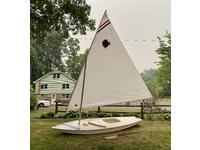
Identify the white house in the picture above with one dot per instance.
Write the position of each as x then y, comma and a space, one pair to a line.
54, 85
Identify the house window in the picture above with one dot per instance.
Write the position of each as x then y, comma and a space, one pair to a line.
56, 75
65, 86
65, 96
44, 86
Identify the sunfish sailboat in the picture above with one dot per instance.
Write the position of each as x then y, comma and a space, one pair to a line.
108, 76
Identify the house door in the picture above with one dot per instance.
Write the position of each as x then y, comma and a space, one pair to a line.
53, 98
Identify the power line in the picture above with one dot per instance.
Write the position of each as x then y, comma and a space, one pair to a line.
128, 40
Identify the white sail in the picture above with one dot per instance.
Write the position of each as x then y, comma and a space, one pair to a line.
111, 76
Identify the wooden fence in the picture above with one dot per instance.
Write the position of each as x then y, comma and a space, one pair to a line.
142, 107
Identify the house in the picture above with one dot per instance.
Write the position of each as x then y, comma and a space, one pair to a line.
55, 85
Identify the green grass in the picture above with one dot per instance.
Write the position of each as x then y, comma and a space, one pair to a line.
149, 135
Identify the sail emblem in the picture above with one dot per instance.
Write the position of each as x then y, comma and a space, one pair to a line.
103, 25
105, 43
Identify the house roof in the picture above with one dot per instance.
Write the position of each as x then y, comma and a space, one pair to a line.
55, 71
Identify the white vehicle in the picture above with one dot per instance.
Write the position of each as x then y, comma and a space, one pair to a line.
43, 103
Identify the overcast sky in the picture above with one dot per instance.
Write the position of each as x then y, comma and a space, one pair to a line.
133, 20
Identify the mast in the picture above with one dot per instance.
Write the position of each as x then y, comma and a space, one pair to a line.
82, 92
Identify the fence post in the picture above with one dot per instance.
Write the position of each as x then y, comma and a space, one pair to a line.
99, 109
142, 111
56, 108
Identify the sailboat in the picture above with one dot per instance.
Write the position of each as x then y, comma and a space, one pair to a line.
108, 76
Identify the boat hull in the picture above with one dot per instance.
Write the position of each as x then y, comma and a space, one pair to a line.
97, 125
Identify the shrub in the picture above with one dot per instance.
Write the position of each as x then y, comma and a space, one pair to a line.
33, 102
45, 116
101, 114
51, 114
48, 115
60, 115
71, 114
84, 114
167, 117
92, 114
108, 115
136, 114
115, 114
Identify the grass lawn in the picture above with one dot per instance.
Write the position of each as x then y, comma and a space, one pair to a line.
149, 135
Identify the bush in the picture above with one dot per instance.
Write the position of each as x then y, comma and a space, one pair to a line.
115, 114
33, 102
71, 114
45, 116
59, 115
135, 114
51, 114
108, 115
167, 117
83, 114
92, 114
48, 115
101, 114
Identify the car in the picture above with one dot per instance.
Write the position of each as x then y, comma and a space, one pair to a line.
43, 103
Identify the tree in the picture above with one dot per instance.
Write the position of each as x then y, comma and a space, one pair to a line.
149, 77
51, 23
46, 56
33, 99
74, 60
63, 16
71, 49
35, 65
164, 70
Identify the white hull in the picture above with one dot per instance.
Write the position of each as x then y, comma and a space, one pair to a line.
97, 125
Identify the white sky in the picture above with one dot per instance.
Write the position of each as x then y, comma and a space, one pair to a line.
133, 20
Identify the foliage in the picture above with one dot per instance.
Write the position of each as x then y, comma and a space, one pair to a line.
71, 114
63, 16
90, 114
164, 70
46, 55
47, 115
32, 90
159, 81
36, 68
51, 114
74, 60
52, 22
33, 101
167, 117
154, 112
150, 109
149, 77
73, 66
